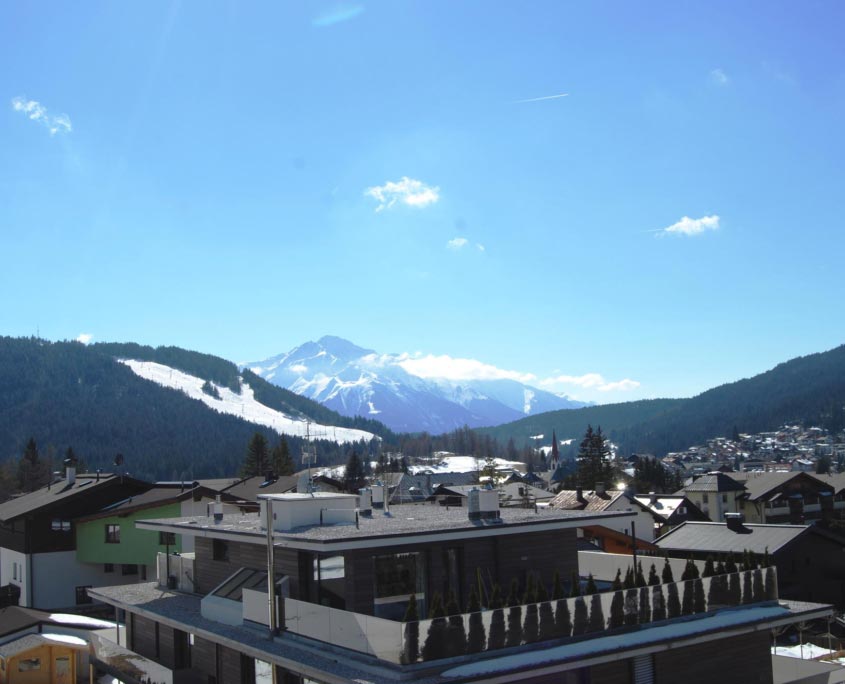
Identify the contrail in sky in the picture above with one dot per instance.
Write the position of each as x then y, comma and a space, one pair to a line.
538, 99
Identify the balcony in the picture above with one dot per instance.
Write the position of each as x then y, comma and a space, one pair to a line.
563, 620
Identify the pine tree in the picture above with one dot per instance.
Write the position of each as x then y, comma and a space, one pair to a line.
412, 632
667, 571
771, 584
435, 643
596, 623
580, 618
653, 578
280, 459
631, 607
629, 582
734, 589
617, 610
591, 585
557, 587
709, 567
673, 603
658, 602
594, 460
616, 585
32, 472
759, 591
477, 636
640, 577
354, 476
456, 636
687, 603
547, 617
747, 590
531, 627
255, 462
513, 635
698, 601
575, 589
563, 621
645, 607
496, 638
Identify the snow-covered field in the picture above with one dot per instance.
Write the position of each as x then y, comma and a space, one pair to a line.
449, 463
243, 404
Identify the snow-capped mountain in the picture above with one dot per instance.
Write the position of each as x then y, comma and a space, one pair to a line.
356, 381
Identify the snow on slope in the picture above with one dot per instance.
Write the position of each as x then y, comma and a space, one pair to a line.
451, 463
243, 405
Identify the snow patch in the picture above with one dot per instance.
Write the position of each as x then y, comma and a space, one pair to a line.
244, 404
69, 619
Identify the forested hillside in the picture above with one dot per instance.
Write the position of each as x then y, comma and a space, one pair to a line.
809, 390
64, 394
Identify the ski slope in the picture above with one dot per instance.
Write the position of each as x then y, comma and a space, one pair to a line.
243, 405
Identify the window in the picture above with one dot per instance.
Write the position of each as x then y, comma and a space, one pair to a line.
82, 595
14, 571
166, 538
112, 534
29, 664
108, 567
58, 525
396, 576
219, 550
724, 498
129, 569
704, 498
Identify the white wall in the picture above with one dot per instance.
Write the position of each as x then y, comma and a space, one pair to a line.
8, 559
55, 577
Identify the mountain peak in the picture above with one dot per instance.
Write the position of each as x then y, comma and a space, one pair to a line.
338, 346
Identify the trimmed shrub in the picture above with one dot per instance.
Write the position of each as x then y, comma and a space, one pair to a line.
645, 606
580, 619
596, 623
658, 611
673, 602
411, 651
617, 610
563, 621
631, 609
435, 641
771, 584
477, 636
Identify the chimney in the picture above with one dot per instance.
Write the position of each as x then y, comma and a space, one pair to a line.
365, 501
600, 488
70, 474
652, 498
734, 522
270, 476
377, 491
217, 508
483, 504
579, 494
826, 504
796, 509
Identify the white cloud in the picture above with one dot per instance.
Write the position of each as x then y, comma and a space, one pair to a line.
450, 368
688, 226
37, 112
621, 386
457, 243
590, 381
719, 77
409, 191
85, 338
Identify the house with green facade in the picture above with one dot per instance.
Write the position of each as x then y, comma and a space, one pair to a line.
110, 540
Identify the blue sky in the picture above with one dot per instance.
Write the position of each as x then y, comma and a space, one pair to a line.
239, 178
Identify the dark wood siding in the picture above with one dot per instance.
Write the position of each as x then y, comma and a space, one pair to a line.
204, 657
144, 637
743, 659
209, 572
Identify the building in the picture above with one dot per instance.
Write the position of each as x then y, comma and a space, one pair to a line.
809, 559
785, 497
38, 539
345, 575
715, 494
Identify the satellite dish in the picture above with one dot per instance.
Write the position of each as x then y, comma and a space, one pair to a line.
118, 460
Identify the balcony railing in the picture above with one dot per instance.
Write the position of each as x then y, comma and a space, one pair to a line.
562, 619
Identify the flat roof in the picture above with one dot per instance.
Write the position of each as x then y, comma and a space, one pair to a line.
405, 524
326, 663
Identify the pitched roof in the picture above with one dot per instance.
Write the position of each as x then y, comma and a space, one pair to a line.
664, 506
249, 488
568, 500
420, 487
158, 495
719, 538
60, 492
761, 485
714, 482
16, 618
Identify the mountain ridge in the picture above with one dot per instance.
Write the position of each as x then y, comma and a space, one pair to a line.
353, 380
